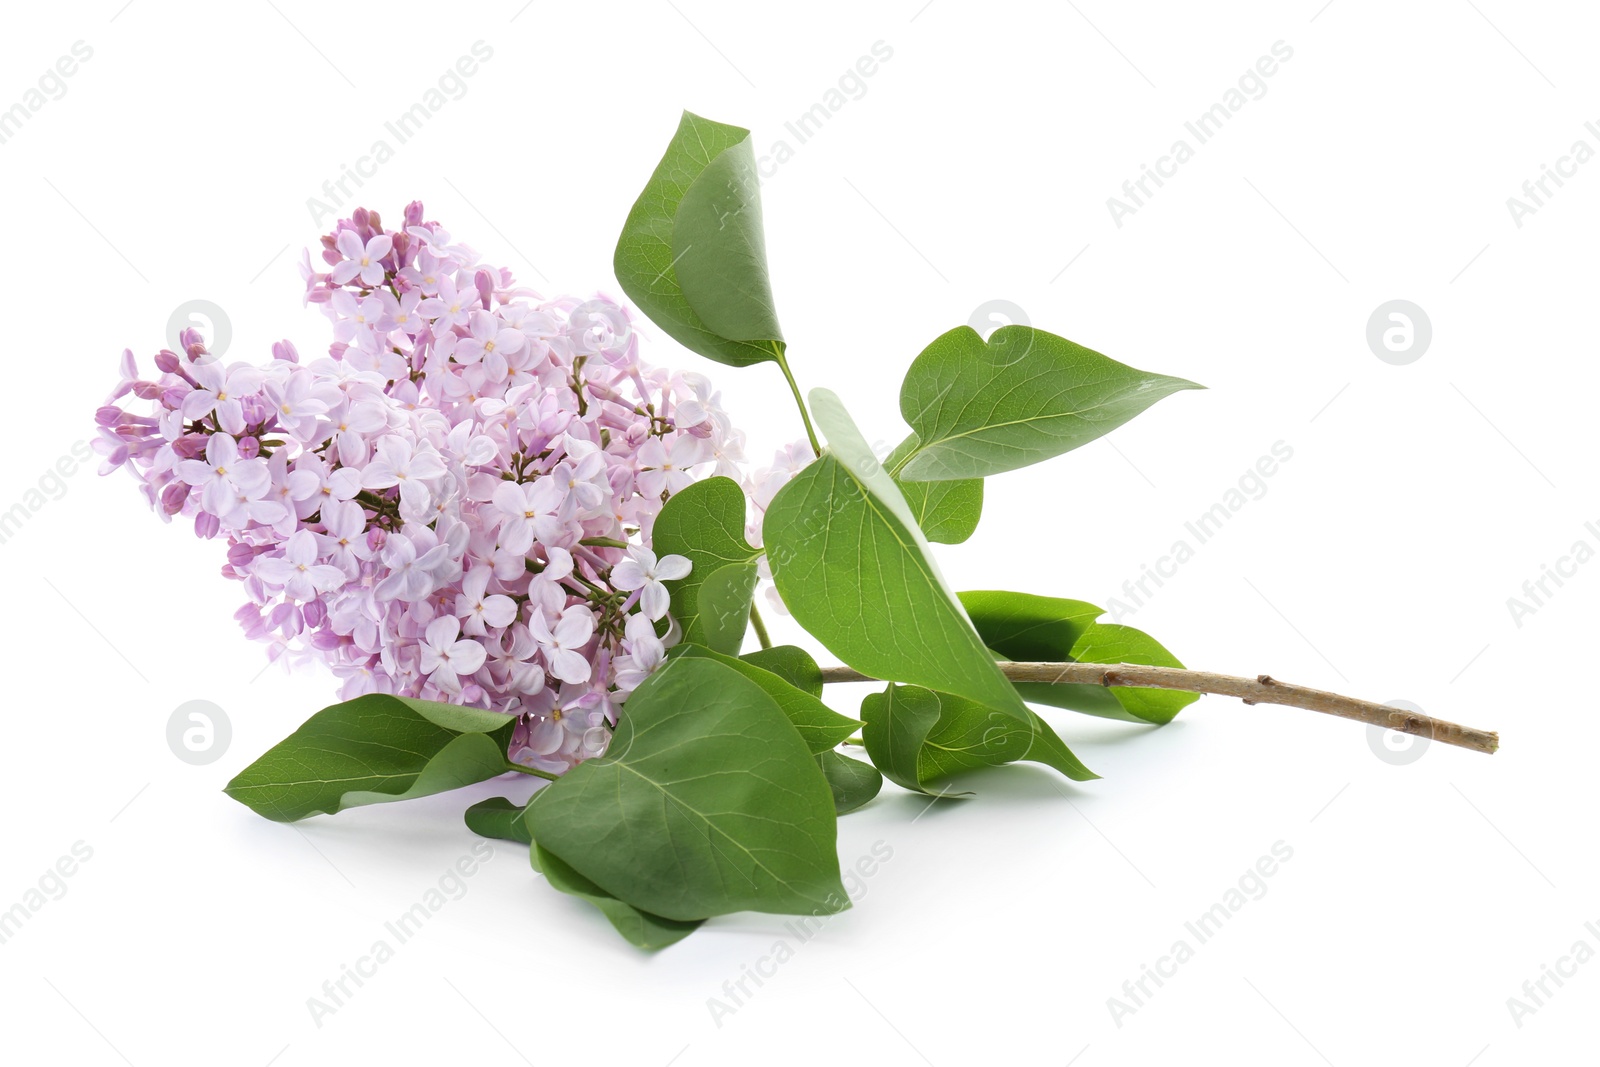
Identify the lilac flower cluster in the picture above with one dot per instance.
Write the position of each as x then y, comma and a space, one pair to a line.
456, 502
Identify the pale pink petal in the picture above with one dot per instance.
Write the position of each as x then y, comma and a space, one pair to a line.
508, 497
575, 628
276, 571
559, 565
499, 610
427, 465
655, 600
379, 475
628, 575
221, 450
671, 568
567, 665
466, 656
442, 631
198, 404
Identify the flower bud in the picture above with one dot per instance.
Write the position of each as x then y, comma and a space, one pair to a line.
172, 497
190, 445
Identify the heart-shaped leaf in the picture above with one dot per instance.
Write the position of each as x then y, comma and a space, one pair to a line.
1040, 629
898, 723
692, 254
1110, 642
373, 749
819, 726
498, 818
639, 927
853, 783
719, 250
791, 663
1024, 396
1028, 628
706, 802
705, 523
948, 512
918, 737
723, 607
854, 569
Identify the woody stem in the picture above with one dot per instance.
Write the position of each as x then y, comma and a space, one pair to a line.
1263, 689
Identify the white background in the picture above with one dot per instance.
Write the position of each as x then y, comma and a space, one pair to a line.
977, 165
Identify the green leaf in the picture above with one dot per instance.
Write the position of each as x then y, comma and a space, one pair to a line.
948, 512
373, 749
820, 726
1028, 628
854, 570
1024, 396
724, 607
498, 818
1040, 629
898, 723
1109, 642
1050, 750
706, 802
968, 735
791, 663
853, 783
719, 248
705, 523
926, 737
639, 927
692, 255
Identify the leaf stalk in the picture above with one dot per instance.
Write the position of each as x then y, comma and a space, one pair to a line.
799, 401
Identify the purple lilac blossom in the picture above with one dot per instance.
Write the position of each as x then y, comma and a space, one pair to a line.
434, 509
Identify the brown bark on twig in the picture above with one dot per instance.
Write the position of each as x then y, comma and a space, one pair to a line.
1262, 689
